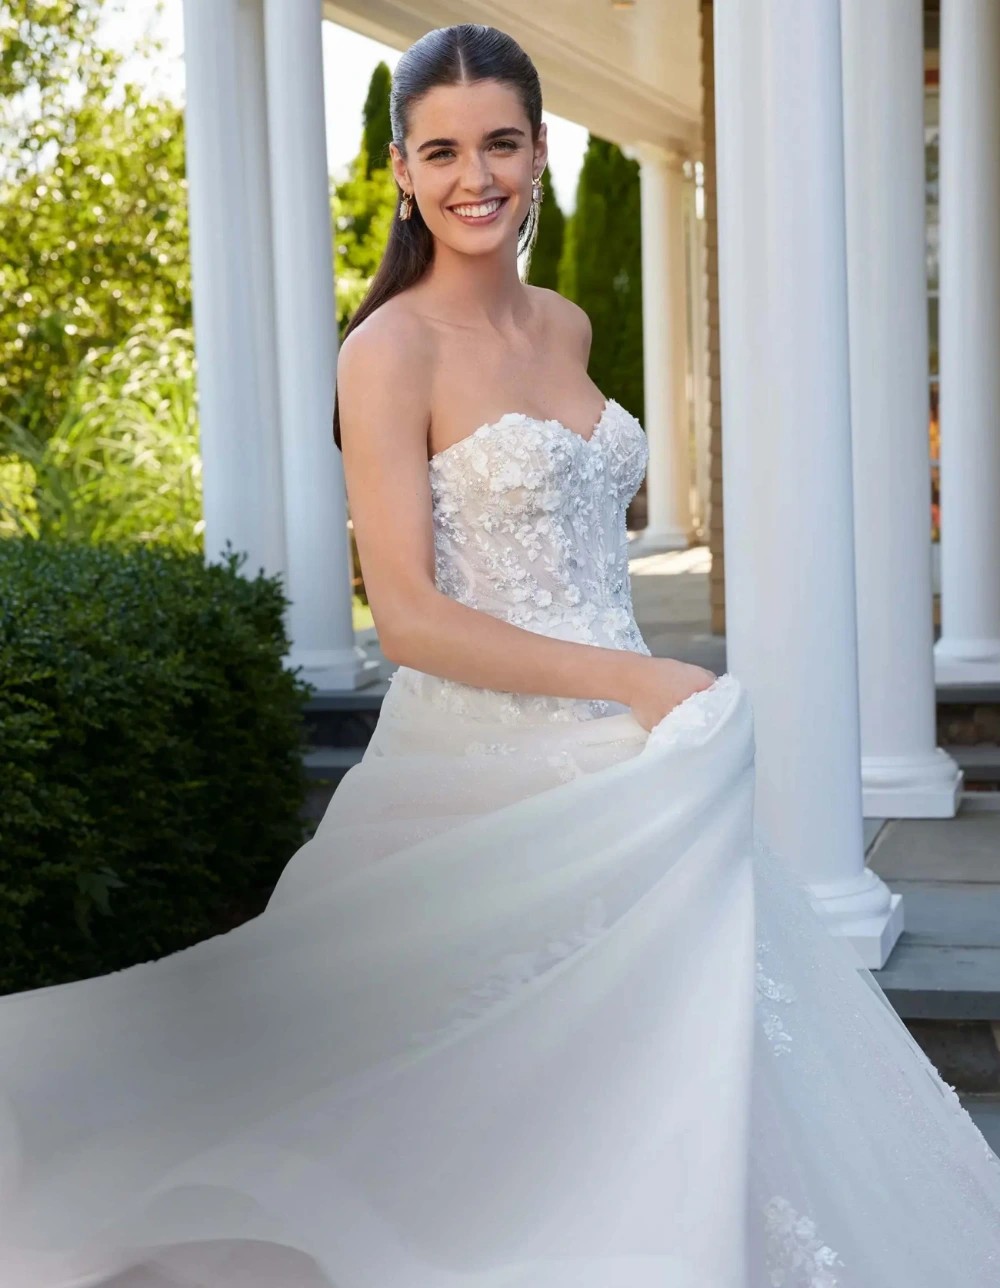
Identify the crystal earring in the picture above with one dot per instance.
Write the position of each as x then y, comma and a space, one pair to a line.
536, 191
406, 206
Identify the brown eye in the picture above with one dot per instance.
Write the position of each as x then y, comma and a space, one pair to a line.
506, 145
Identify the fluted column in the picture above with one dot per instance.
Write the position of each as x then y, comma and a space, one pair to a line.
969, 647
790, 586
664, 350
230, 222
904, 773
319, 568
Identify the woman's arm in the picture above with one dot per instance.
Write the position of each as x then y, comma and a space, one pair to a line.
384, 376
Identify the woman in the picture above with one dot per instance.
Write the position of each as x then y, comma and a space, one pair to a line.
533, 1007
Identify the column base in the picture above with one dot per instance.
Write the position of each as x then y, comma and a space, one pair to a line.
862, 910
966, 661
335, 669
657, 541
920, 786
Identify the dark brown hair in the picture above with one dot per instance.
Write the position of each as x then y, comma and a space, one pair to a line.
459, 55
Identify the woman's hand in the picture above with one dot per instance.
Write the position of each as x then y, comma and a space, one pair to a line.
661, 684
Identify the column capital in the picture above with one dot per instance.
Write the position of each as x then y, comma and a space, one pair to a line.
654, 154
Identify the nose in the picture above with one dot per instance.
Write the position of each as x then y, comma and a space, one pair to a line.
476, 173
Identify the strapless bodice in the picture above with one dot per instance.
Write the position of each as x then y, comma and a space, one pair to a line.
529, 526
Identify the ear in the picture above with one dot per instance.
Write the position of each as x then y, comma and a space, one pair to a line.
399, 169
541, 156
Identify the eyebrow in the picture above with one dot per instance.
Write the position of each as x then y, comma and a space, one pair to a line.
452, 143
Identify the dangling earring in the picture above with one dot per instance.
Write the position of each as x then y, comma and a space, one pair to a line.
406, 206
536, 191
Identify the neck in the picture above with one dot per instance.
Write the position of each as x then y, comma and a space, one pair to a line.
477, 289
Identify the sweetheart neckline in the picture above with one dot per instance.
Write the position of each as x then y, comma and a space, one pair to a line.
535, 420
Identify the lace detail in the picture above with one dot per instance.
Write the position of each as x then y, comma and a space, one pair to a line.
479, 748
526, 526
796, 1256
529, 526
565, 765
696, 715
770, 990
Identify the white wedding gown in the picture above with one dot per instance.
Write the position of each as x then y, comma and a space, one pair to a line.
532, 1009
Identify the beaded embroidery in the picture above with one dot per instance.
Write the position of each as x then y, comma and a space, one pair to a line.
526, 528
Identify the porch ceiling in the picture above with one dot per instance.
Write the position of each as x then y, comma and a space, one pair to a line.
630, 75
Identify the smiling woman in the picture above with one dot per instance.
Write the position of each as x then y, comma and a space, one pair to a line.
507, 139
483, 177
534, 1007
486, 178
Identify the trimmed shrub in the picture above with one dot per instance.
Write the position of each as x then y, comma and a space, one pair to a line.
150, 754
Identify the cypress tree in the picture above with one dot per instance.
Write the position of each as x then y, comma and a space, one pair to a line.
364, 202
544, 267
601, 268
377, 129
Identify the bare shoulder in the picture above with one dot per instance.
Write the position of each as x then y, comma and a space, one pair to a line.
560, 312
384, 378
392, 339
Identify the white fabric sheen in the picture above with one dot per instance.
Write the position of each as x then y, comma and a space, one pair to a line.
533, 1008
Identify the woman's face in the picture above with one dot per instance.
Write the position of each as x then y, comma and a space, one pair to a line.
470, 163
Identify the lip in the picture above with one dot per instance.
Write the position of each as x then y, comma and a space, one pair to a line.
478, 222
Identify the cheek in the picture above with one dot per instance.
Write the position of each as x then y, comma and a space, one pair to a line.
433, 188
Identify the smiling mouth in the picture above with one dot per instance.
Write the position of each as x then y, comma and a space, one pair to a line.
479, 209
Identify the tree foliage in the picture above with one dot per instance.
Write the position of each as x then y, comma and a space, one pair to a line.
601, 268
42, 44
377, 127
363, 210
364, 203
93, 211
547, 251
123, 465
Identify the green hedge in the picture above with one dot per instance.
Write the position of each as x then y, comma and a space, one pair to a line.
151, 779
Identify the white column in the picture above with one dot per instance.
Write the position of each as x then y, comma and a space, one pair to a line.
228, 205
790, 588
969, 647
905, 774
699, 356
664, 350
319, 571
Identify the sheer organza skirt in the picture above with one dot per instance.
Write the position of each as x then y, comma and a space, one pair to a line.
533, 1008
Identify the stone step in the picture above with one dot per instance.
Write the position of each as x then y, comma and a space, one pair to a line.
330, 722
325, 768
982, 692
965, 1053
968, 728
980, 762
941, 982
323, 763
945, 966
985, 1113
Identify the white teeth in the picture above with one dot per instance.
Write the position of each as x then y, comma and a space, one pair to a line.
477, 212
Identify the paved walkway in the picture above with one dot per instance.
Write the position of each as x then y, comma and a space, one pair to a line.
671, 600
